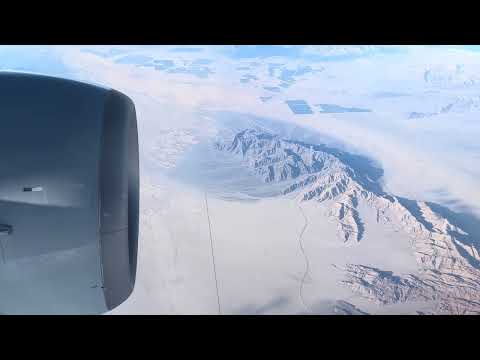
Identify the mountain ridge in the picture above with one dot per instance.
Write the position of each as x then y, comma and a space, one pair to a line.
448, 258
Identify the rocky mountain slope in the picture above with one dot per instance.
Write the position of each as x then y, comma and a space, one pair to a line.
447, 256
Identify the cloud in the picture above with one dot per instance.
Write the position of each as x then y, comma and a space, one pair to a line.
418, 156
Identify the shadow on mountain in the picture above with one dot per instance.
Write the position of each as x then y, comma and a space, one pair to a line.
468, 223
465, 221
414, 209
367, 172
360, 225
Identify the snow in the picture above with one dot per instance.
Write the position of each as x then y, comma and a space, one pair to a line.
300, 222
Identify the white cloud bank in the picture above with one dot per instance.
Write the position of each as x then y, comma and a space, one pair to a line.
421, 157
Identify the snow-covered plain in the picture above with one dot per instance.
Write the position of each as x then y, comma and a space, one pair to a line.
336, 212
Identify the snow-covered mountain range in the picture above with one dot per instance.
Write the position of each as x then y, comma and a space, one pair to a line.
447, 255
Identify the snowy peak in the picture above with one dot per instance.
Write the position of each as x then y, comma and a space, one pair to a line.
276, 159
